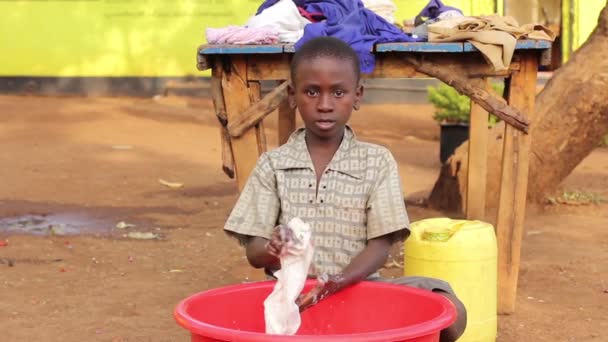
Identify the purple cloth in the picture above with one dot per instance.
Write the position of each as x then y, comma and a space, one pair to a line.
434, 8
351, 22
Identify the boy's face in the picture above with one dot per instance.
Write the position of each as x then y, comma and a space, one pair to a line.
325, 91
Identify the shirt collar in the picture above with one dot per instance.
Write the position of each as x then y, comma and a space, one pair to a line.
294, 154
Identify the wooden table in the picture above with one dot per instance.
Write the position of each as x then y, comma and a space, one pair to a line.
238, 70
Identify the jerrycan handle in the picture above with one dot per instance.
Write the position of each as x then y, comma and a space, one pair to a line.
438, 230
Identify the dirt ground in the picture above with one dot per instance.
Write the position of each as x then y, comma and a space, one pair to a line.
95, 162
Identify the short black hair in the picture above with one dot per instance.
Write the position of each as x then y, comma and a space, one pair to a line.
325, 47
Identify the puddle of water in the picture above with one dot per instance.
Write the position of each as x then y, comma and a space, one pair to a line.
56, 224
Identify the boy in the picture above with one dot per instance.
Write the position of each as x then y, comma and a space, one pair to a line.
348, 191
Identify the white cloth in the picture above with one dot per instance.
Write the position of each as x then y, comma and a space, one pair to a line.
383, 8
242, 35
284, 17
281, 313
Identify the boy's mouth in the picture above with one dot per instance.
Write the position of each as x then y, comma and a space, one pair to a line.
325, 124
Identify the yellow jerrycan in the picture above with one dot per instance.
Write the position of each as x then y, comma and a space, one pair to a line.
463, 253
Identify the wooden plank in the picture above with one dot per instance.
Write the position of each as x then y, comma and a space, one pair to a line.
228, 165
395, 65
237, 100
255, 93
220, 112
420, 47
388, 65
514, 184
232, 49
256, 113
268, 67
528, 44
475, 202
456, 77
287, 120
217, 95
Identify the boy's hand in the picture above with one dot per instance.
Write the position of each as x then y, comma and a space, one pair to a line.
281, 236
325, 288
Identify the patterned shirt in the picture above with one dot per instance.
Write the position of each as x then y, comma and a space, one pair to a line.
359, 198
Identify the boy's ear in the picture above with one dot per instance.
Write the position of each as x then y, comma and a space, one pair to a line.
358, 96
291, 95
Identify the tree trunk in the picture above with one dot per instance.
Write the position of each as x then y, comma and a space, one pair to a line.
571, 118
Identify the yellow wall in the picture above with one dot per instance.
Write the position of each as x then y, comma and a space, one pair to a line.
157, 38
110, 37
579, 18
585, 20
153, 38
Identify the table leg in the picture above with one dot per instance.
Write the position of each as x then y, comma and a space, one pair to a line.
514, 184
475, 202
237, 99
220, 112
256, 94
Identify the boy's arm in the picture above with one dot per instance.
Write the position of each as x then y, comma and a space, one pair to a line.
387, 223
266, 253
255, 214
370, 260
367, 262
373, 256
258, 254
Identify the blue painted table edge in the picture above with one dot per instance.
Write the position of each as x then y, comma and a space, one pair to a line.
454, 47
420, 47
530, 44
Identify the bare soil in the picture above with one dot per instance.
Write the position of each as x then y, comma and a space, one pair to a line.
95, 162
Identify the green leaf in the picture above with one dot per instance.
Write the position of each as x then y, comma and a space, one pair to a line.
453, 107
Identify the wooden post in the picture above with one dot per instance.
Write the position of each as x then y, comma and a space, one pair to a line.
255, 95
220, 112
287, 121
259, 110
514, 184
475, 201
237, 100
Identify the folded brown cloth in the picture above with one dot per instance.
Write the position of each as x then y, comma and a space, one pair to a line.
494, 36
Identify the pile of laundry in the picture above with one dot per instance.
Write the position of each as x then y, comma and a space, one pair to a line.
284, 21
365, 23
297, 21
493, 35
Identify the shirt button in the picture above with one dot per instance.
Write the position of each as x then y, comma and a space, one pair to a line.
310, 185
324, 186
310, 201
321, 201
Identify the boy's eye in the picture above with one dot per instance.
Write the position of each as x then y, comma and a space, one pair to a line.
312, 92
339, 93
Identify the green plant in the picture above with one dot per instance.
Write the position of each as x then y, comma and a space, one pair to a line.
452, 107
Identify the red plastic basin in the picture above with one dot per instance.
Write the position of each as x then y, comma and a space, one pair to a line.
367, 311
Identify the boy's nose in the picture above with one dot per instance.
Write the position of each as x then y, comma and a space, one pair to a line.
325, 104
